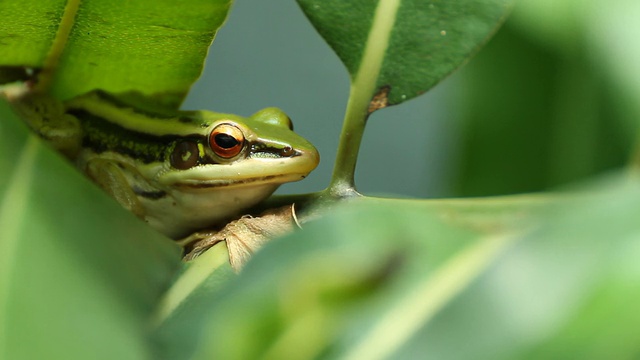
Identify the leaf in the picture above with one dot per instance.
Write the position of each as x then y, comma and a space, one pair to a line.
179, 319
399, 49
394, 51
378, 281
27, 31
612, 33
71, 284
341, 279
308, 294
568, 290
572, 120
82, 45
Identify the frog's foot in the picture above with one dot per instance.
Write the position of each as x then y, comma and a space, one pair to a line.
243, 236
110, 176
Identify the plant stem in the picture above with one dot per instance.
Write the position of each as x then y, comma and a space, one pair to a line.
363, 87
350, 139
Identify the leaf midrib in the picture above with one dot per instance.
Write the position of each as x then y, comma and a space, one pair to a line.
58, 45
12, 214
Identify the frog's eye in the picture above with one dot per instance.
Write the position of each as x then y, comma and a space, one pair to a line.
226, 140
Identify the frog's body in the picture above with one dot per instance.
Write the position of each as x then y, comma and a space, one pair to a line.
183, 171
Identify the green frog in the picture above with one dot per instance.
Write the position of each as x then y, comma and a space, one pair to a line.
180, 171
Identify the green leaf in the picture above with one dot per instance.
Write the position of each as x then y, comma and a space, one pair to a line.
152, 47
568, 290
394, 51
27, 29
72, 285
180, 315
329, 289
186, 313
405, 45
576, 117
420, 277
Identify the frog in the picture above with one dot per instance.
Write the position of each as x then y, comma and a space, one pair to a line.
180, 171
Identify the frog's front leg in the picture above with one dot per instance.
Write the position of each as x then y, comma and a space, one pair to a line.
46, 116
110, 176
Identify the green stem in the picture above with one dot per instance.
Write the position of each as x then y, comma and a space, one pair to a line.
350, 139
363, 87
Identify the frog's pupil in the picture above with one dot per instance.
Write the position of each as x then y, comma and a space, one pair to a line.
225, 141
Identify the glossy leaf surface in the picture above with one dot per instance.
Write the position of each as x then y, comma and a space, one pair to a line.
405, 45
82, 45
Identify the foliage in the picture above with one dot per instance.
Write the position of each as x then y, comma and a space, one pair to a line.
564, 111
546, 275
67, 285
80, 46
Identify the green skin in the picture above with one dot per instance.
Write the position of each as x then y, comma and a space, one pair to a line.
167, 168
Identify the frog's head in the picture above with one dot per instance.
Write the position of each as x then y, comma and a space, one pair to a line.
223, 165
229, 151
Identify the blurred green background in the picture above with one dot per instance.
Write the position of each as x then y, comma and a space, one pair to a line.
550, 100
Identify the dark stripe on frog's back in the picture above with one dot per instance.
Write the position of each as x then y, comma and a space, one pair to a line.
101, 135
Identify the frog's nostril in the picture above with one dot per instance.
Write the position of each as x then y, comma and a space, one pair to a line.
288, 151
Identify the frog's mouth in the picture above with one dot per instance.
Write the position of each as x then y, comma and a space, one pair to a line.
256, 181
254, 171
